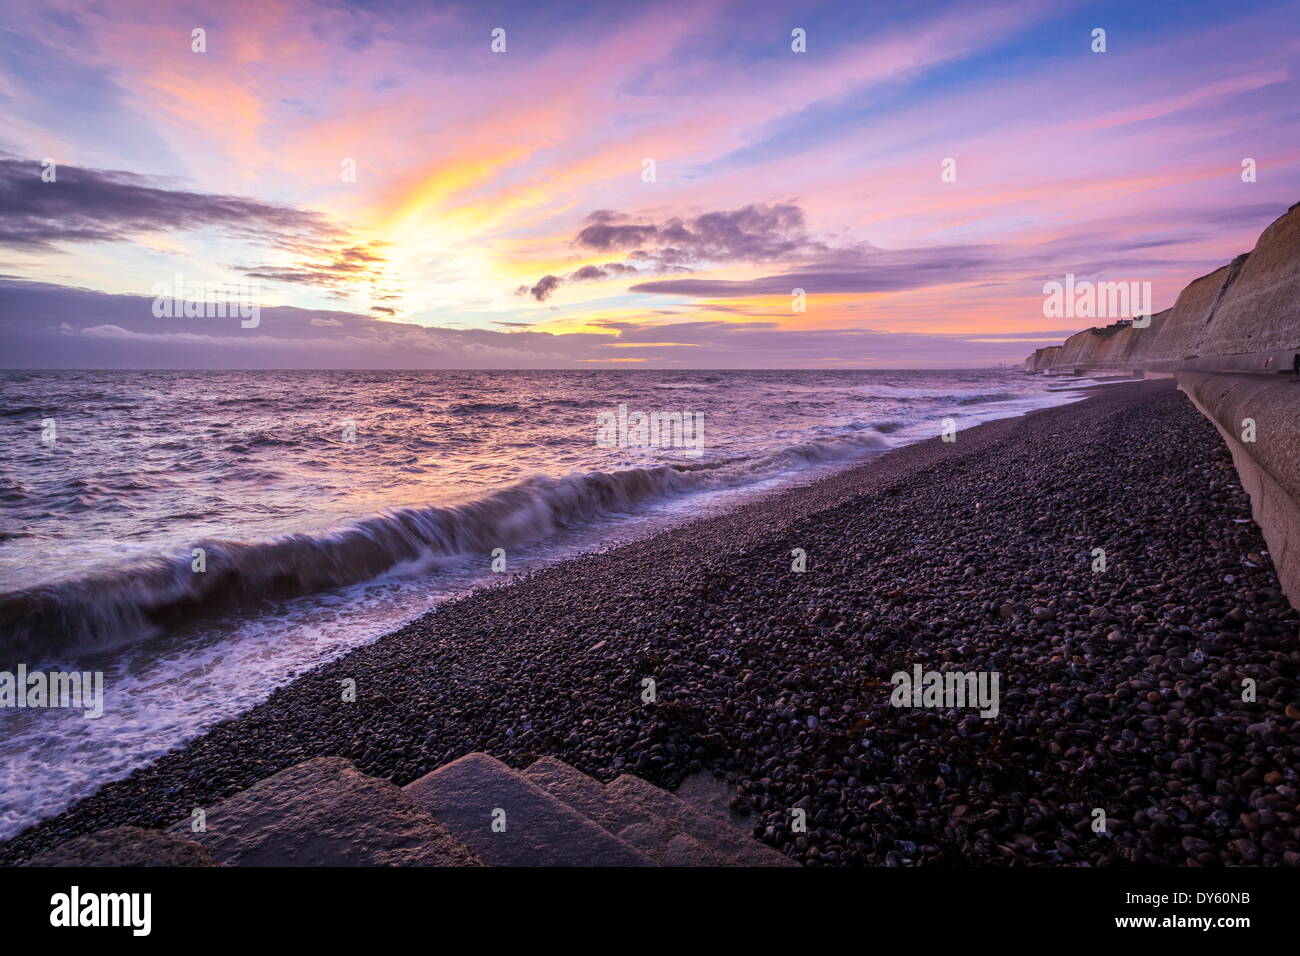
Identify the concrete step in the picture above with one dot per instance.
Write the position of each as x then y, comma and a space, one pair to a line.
325, 812
703, 826
709, 794
467, 794
652, 835
125, 846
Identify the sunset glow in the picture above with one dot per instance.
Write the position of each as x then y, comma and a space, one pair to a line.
387, 163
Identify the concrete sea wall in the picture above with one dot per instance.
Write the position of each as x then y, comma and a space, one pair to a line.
1257, 417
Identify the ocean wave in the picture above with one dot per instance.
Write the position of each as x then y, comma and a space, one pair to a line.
985, 399
100, 610
576, 403
476, 408
11, 489
250, 445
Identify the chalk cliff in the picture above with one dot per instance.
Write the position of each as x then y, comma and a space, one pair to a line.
1042, 359
1243, 316
1256, 317
1181, 331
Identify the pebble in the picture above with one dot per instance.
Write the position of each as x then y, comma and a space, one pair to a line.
1120, 690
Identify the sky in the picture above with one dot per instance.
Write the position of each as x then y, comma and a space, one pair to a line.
635, 185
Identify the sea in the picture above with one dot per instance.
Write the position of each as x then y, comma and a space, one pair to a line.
200, 538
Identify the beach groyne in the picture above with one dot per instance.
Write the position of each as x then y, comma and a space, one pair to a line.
1225, 339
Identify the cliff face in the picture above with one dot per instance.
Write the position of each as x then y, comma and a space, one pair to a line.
1181, 331
1260, 308
1244, 315
1111, 347
1144, 340
1130, 346
1073, 352
1042, 359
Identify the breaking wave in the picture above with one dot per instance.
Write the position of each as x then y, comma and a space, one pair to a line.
985, 399
127, 602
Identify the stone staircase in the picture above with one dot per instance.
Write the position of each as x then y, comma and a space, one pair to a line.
475, 811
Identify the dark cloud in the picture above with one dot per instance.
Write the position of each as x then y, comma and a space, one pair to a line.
50, 326
339, 270
864, 269
548, 284
778, 234
753, 233
542, 290
591, 273
606, 237
94, 205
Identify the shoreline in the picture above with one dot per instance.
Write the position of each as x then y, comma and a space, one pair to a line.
144, 619
764, 674
100, 598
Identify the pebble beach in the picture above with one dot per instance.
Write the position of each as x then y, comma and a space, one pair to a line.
1160, 691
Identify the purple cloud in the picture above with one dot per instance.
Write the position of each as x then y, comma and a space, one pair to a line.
753, 233
50, 326
542, 290
95, 205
